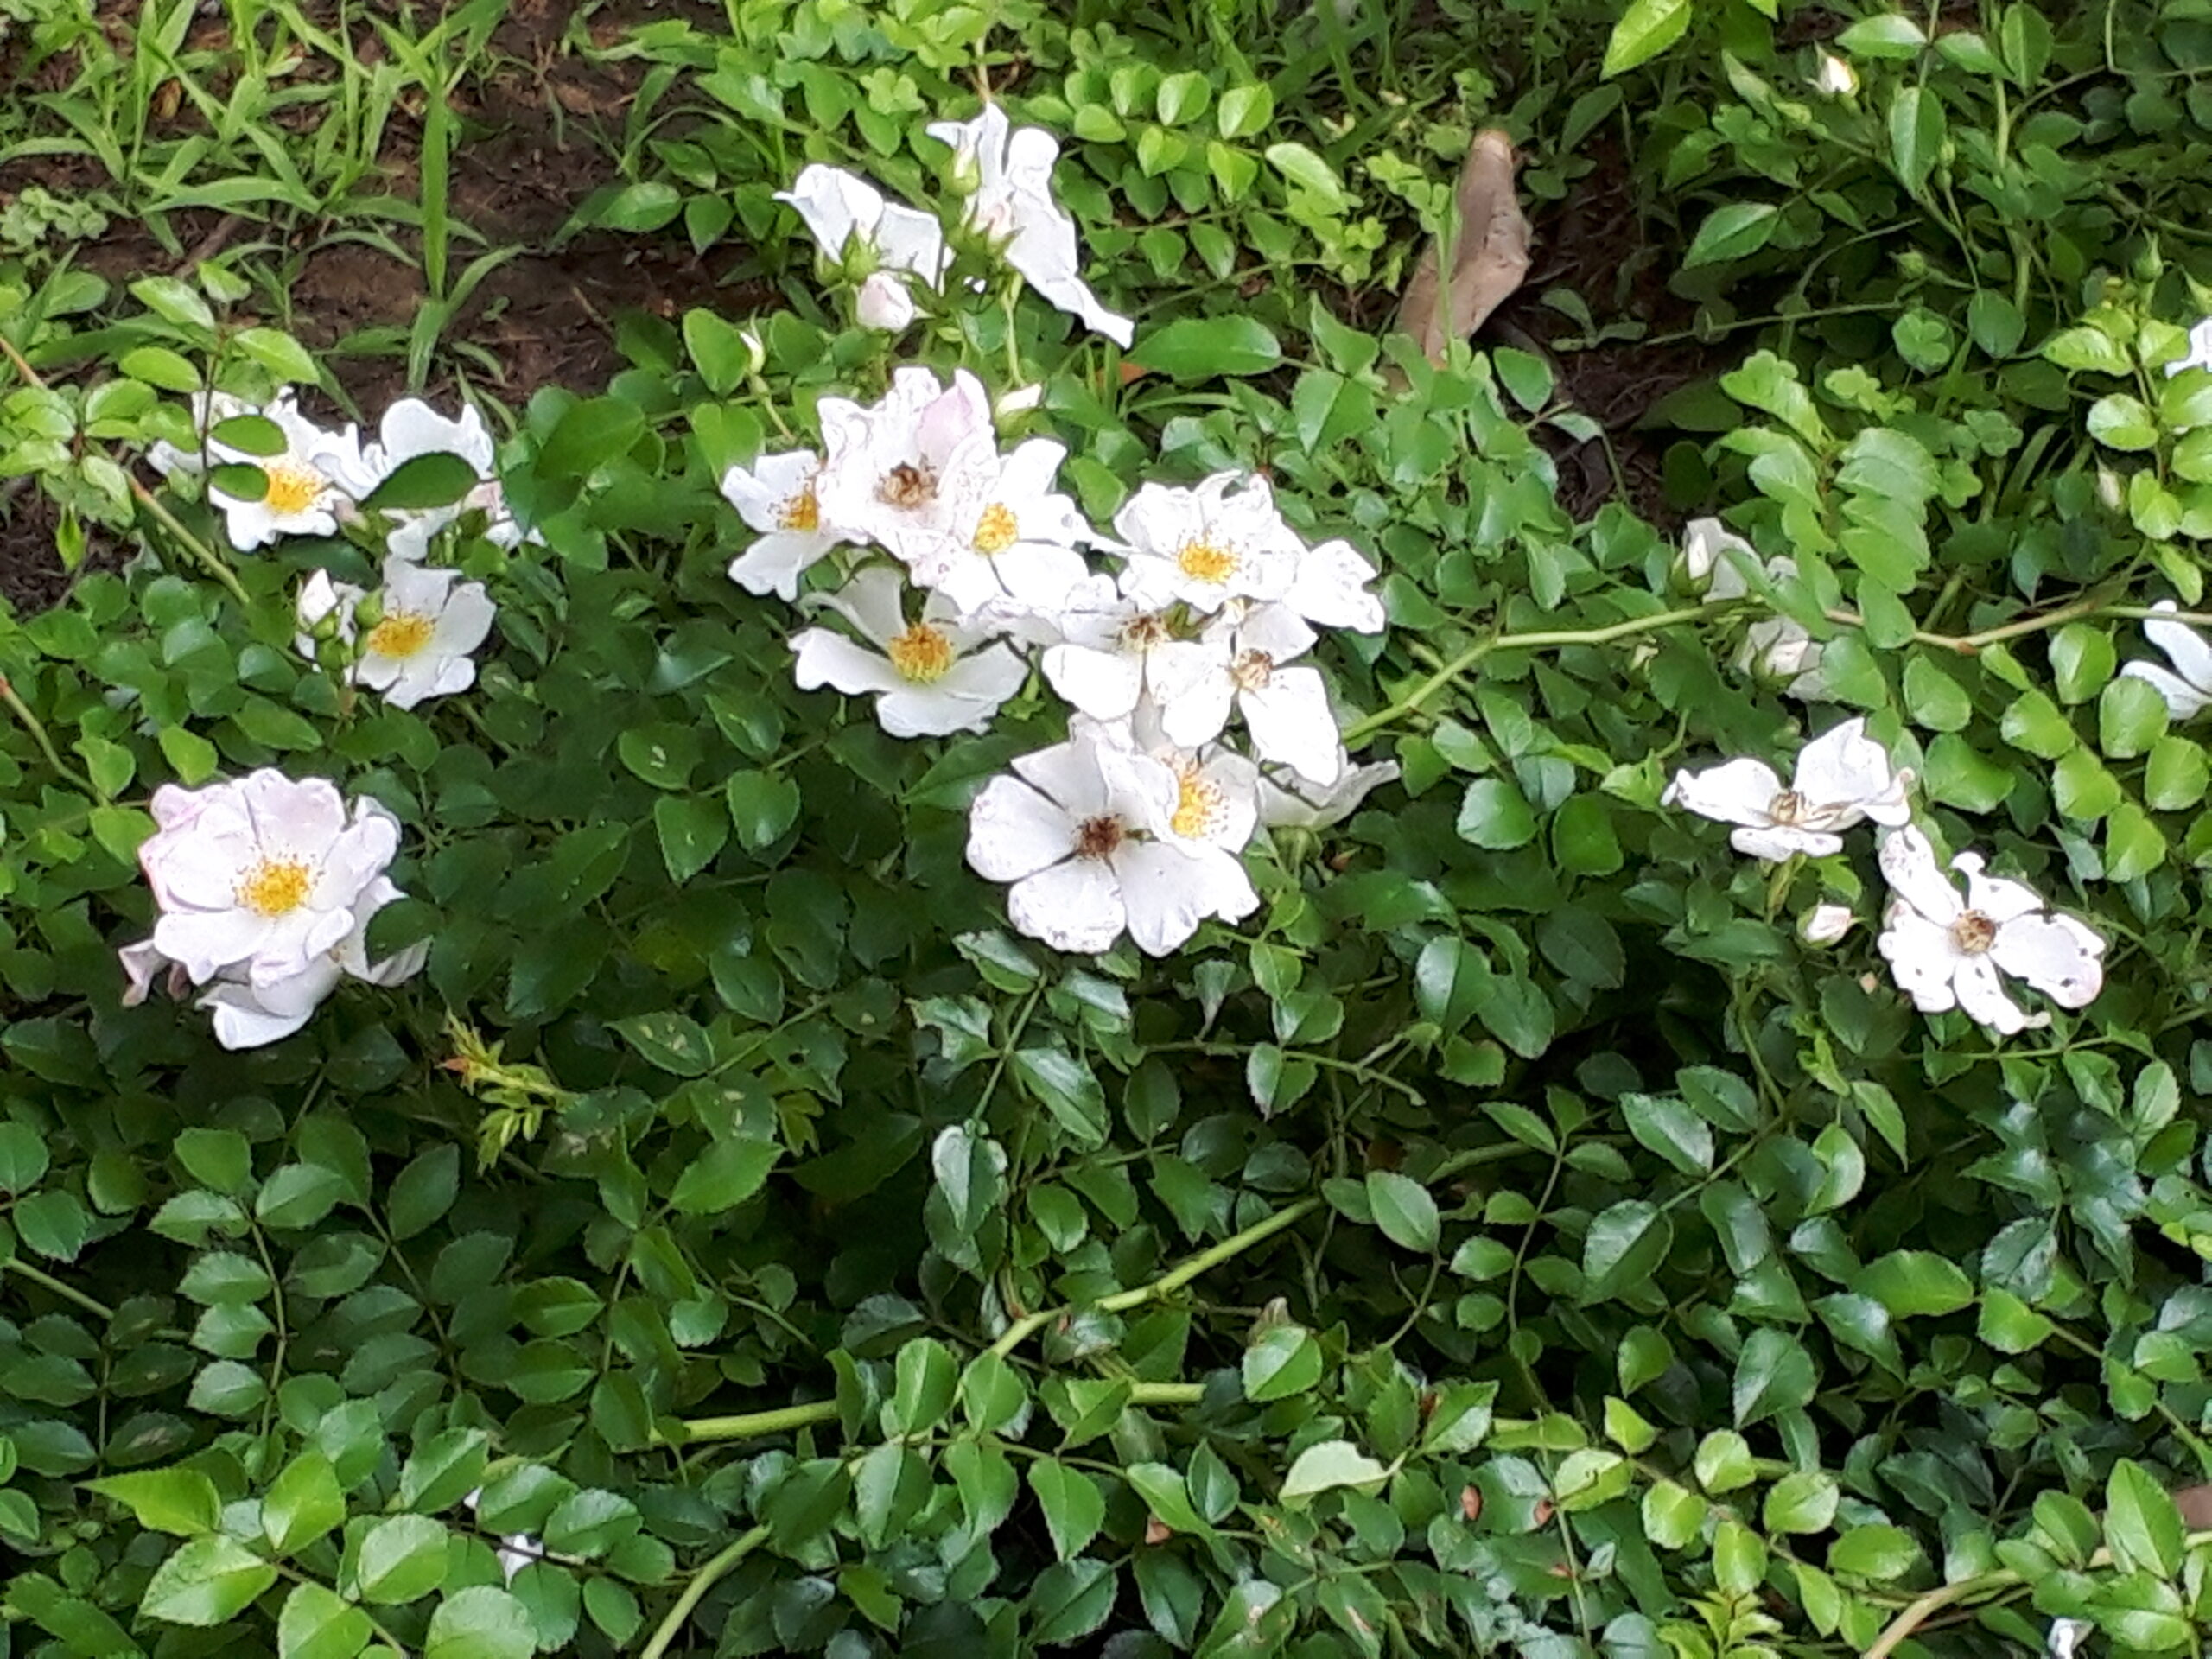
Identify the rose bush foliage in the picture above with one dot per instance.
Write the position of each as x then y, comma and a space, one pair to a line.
1536, 1227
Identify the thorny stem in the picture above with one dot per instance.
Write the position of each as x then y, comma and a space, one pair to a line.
146, 497
36, 727
1898, 1629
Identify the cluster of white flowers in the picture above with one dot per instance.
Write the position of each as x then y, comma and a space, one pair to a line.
265, 888
1136, 823
1005, 174
415, 636
1716, 562
1946, 950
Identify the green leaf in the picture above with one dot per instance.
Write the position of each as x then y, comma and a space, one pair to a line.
1494, 815
316, 1624
1774, 1374
1074, 1507
208, 1581
1328, 1464
183, 1502
1403, 1210
763, 805
2081, 659
1623, 1244
693, 829
1671, 1130
303, 1504
674, 1043
2142, 1525
2120, 421
719, 347
1309, 172
1915, 1283
402, 1558
1206, 348
1723, 1462
640, 207
1734, 231
437, 480
480, 1623
423, 1191
1286, 1360
1245, 109
23, 1157
1917, 132
724, 1176
1802, 1501
1064, 1085
1876, 1552
1646, 29
589, 435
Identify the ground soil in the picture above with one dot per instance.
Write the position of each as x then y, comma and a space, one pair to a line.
533, 150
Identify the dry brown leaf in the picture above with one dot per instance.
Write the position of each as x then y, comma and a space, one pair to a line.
1489, 249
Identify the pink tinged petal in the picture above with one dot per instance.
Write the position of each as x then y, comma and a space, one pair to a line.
2191, 654
1168, 891
2055, 954
1980, 990
1104, 684
1075, 905
1909, 866
827, 659
2184, 701
774, 563
1014, 831
1921, 957
1736, 791
1775, 843
207, 941
1291, 723
291, 815
1330, 588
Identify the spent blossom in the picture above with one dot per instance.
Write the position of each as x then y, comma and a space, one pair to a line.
1843, 778
1948, 951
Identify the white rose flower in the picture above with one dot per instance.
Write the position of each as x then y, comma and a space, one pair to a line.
1205, 545
1011, 540
840, 206
412, 429
933, 678
1948, 953
2188, 687
1826, 924
1779, 650
265, 874
2199, 354
883, 302
1108, 646
1843, 778
1328, 588
304, 494
776, 496
1011, 203
1714, 559
1285, 709
1073, 830
420, 646
1289, 802
899, 474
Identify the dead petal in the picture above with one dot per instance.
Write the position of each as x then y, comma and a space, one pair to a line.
1489, 252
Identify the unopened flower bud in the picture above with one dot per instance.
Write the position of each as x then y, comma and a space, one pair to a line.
756, 351
1825, 924
1020, 401
2108, 489
1835, 78
884, 303
963, 176
368, 611
1912, 265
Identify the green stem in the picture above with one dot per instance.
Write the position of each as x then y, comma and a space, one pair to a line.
753, 1425
702, 1581
36, 727
1543, 640
1982, 1584
1021, 1330
23, 1269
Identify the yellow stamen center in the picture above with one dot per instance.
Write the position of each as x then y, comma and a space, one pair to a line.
1199, 803
402, 634
1973, 933
293, 487
802, 512
276, 886
921, 654
907, 487
996, 531
1207, 562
